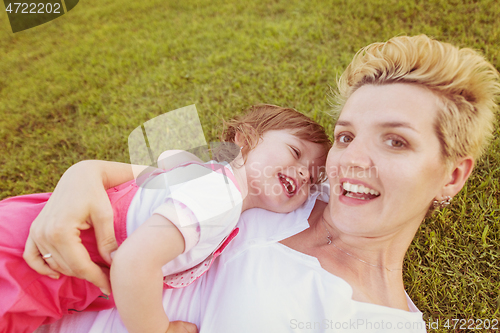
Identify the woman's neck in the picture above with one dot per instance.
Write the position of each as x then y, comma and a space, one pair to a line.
371, 266
372, 280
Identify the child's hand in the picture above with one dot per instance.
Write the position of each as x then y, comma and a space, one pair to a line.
181, 327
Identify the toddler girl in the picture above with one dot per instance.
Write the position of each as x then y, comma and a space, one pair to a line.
170, 225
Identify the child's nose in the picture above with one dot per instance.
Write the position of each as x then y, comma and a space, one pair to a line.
304, 174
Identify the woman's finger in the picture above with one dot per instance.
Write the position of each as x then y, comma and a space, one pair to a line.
102, 221
33, 258
43, 242
77, 257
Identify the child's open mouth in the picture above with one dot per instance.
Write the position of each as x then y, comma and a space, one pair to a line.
358, 191
288, 183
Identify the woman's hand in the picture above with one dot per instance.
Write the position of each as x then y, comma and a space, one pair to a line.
182, 327
78, 202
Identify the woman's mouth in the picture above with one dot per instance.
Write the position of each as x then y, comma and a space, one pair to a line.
358, 191
288, 183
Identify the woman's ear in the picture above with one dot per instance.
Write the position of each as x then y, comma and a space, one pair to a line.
459, 174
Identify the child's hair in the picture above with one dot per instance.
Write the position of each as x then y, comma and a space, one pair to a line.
465, 82
259, 119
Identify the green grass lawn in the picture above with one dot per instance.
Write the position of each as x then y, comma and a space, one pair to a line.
75, 88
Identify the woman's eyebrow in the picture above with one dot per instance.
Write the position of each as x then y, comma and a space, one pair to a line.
393, 124
389, 124
343, 123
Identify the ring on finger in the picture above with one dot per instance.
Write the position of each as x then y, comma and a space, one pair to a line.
47, 256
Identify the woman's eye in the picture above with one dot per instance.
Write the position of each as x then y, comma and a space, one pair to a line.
344, 138
396, 143
296, 152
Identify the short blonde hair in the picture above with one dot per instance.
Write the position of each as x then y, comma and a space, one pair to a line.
466, 84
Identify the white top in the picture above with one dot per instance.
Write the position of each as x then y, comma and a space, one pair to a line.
203, 204
260, 285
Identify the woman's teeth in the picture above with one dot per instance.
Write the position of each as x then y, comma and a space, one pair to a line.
288, 183
359, 189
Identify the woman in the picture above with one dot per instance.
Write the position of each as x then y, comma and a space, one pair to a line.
415, 115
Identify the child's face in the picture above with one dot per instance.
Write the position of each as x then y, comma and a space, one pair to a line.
280, 171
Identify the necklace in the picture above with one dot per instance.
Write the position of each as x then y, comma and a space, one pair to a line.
329, 239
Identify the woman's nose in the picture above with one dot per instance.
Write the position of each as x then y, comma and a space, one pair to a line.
356, 155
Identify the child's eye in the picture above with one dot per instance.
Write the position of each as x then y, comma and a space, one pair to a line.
296, 152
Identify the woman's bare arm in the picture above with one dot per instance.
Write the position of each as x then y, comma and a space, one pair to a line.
78, 202
172, 158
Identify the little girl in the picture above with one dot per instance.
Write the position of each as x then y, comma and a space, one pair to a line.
169, 228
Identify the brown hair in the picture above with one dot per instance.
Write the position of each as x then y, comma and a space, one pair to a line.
259, 119
466, 84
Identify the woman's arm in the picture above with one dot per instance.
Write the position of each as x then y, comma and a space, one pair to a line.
136, 274
78, 202
172, 158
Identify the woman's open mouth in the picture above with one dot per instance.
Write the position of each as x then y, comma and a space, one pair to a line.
358, 191
288, 183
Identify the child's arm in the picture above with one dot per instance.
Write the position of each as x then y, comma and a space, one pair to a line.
136, 275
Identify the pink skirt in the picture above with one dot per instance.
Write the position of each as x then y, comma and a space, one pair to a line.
28, 299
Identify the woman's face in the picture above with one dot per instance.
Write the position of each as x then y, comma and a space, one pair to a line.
385, 166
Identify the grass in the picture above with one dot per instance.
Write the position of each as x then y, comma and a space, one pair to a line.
74, 88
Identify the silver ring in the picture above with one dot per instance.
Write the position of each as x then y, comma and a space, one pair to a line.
47, 256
